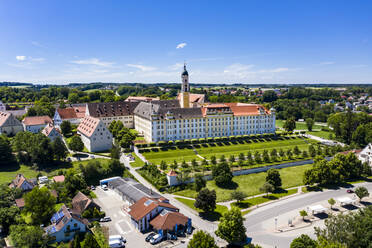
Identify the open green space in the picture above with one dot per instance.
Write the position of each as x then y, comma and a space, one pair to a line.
250, 184
261, 199
137, 161
212, 216
251, 145
299, 125
321, 134
171, 155
224, 148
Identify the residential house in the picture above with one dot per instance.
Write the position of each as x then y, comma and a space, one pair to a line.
113, 111
81, 202
21, 182
94, 134
9, 125
366, 155
64, 225
169, 221
71, 114
34, 124
146, 209
59, 179
20, 203
51, 132
141, 99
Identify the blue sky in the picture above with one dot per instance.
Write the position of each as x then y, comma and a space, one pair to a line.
325, 41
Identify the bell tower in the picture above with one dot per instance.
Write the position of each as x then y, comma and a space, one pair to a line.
185, 89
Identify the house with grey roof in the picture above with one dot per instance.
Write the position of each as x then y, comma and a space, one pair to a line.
9, 125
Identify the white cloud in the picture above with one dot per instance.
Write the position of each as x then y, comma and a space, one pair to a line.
241, 71
181, 45
93, 61
21, 58
176, 66
142, 67
327, 63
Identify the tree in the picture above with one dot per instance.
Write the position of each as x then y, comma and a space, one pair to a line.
289, 124
304, 241
312, 151
238, 195
76, 144
194, 164
213, 160
163, 165
303, 214
115, 152
202, 239
199, 182
257, 157
274, 154
231, 227
59, 149
27, 236
304, 154
273, 177
232, 159
296, 151
6, 155
206, 200
331, 202
269, 96
309, 124
221, 174
265, 156
89, 241
40, 204
289, 153
267, 188
241, 156
184, 164
66, 128
361, 192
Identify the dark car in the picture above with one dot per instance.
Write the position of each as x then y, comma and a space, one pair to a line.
350, 191
189, 230
149, 237
92, 187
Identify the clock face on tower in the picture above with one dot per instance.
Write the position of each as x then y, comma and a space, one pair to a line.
185, 80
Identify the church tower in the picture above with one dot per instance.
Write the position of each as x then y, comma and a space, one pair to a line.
185, 89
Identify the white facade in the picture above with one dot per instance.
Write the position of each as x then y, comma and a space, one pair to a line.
100, 139
366, 155
33, 128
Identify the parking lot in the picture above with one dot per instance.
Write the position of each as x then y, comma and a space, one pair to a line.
120, 224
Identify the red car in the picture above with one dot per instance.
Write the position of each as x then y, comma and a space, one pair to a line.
350, 191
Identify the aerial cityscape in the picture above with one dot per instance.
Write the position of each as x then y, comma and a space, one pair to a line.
185, 124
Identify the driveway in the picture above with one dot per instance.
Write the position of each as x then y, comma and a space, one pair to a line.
260, 223
112, 204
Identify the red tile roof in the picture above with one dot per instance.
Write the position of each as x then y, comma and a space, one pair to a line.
37, 120
141, 98
194, 98
145, 205
172, 173
80, 203
59, 179
72, 112
88, 125
18, 181
167, 220
48, 129
20, 202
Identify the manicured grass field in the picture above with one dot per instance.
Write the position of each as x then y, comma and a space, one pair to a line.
261, 199
171, 155
235, 150
299, 125
321, 134
137, 161
221, 148
8, 173
251, 183
216, 215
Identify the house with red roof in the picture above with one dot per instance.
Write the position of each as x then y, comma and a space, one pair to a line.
94, 134
51, 132
34, 124
21, 182
72, 114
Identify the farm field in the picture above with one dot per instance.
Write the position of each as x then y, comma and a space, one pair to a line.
250, 184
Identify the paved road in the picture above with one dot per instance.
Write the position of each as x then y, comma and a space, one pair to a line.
260, 223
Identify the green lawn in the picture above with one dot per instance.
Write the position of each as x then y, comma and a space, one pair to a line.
137, 161
213, 216
171, 155
253, 146
104, 162
261, 199
299, 125
251, 183
321, 134
8, 173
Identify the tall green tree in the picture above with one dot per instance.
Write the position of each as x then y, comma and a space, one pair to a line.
289, 124
28, 236
6, 155
309, 124
221, 174
273, 177
304, 241
40, 204
202, 239
66, 128
231, 227
199, 182
59, 149
206, 200
361, 192
76, 144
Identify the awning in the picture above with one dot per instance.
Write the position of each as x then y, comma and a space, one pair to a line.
345, 200
317, 209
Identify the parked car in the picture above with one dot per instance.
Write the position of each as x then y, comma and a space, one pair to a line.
105, 219
189, 230
92, 187
43, 179
104, 187
91, 156
350, 191
119, 237
116, 243
150, 237
156, 239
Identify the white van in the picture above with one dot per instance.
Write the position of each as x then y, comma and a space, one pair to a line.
156, 239
116, 243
